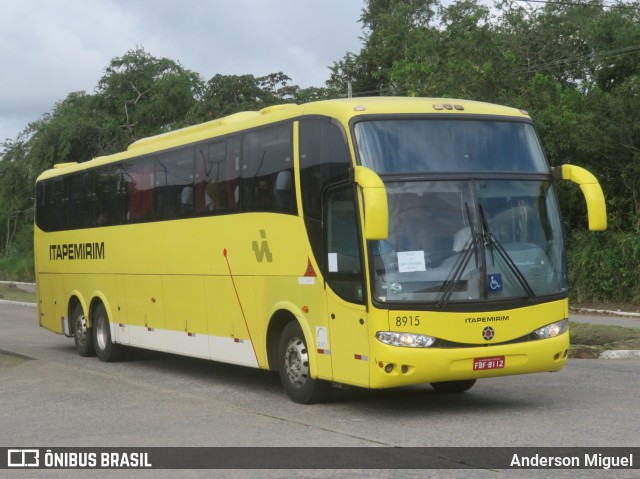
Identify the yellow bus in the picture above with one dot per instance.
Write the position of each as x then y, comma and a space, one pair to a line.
371, 242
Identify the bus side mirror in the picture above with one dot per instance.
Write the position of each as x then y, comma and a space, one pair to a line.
596, 206
376, 211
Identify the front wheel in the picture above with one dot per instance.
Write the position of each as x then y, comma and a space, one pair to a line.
293, 366
106, 349
453, 387
82, 334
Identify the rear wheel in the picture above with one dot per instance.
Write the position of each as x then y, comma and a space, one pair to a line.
453, 387
82, 334
293, 366
106, 349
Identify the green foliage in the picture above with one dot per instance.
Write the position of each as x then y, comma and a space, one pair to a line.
11, 292
601, 335
590, 340
145, 95
17, 268
227, 94
604, 267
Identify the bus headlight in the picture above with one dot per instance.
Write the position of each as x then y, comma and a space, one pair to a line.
552, 330
406, 340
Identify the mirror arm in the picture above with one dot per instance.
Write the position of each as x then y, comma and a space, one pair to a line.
592, 191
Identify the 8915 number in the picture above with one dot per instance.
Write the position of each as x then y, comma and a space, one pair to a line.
407, 320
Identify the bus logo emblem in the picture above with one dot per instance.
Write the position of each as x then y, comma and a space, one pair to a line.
262, 250
488, 333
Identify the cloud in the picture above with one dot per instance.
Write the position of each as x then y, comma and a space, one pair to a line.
299, 37
50, 48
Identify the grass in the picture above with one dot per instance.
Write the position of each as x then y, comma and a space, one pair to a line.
588, 341
10, 292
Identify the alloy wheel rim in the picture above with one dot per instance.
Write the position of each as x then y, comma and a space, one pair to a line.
101, 335
296, 362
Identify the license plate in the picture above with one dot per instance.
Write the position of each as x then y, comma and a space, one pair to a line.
481, 364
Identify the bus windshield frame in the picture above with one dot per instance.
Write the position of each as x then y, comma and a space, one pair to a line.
473, 223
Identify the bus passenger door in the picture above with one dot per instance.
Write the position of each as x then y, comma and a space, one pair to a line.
348, 336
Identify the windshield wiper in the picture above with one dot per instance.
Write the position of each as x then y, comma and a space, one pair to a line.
461, 262
491, 241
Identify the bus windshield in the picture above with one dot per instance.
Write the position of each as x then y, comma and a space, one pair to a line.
441, 145
463, 240
475, 240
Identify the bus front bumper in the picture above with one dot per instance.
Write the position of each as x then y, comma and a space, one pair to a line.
393, 366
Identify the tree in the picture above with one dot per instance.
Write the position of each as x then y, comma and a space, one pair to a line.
227, 94
14, 174
459, 57
390, 28
145, 95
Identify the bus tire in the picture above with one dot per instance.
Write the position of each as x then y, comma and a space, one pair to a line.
453, 387
82, 334
106, 349
293, 366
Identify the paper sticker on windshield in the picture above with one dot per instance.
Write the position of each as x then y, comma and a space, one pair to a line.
410, 261
495, 283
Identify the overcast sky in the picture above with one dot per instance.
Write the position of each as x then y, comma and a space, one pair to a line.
50, 48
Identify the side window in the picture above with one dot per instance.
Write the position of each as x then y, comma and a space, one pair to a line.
343, 262
42, 219
51, 210
139, 178
110, 207
81, 200
218, 176
267, 170
59, 199
174, 184
324, 160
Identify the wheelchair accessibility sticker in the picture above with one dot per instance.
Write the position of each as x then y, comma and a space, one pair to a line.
495, 283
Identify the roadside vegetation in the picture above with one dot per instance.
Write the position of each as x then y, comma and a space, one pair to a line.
588, 341
10, 292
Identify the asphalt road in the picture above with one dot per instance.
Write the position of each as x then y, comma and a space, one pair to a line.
613, 319
57, 399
